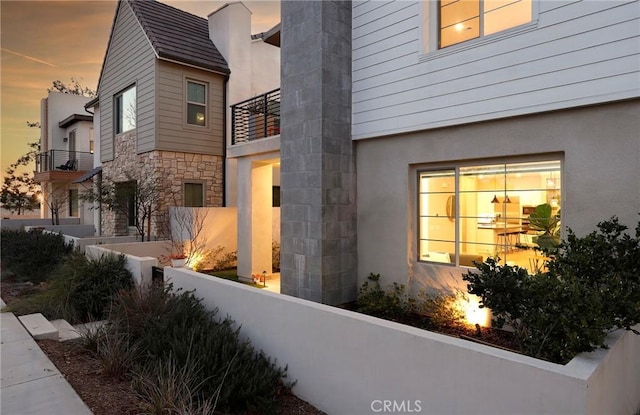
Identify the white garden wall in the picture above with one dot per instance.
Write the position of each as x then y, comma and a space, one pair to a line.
141, 257
348, 363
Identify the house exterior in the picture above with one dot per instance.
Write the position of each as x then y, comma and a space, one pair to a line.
463, 117
532, 103
66, 147
163, 95
161, 98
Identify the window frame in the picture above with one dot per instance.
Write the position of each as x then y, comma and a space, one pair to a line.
187, 102
430, 33
202, 185
456, 168
74, 205
118, 110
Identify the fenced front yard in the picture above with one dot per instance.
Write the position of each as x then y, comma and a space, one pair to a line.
345, 362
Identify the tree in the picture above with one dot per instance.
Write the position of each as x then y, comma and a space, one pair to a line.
135, 199
74, 88
19, 192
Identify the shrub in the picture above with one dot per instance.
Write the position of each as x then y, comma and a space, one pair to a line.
32, 255
442, 308
275, 256
591, 286
216, 260
79, 289
376, 301
175, 327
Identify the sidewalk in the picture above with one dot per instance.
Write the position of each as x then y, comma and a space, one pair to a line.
31, 384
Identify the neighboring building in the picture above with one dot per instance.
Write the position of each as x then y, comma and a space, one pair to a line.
162, 98
463, 120
66, 147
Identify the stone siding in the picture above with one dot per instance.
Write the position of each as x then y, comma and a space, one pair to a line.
169, 170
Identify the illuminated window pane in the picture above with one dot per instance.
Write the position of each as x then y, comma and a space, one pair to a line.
196, 103
491, 216
503, 14
462, 20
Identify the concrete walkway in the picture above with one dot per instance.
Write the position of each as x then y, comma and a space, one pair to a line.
31, 384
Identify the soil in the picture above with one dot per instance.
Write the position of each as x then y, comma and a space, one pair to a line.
105, 395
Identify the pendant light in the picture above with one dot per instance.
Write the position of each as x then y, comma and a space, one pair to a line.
507, 200
495, 199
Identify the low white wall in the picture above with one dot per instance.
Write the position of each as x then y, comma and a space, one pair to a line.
19, 223
82, 243
79, 231
139, 266
349, 363
154, 249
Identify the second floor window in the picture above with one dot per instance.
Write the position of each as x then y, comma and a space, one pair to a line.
125, 110
462, 20
196, 103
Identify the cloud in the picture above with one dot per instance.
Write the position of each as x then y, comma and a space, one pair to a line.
31, 58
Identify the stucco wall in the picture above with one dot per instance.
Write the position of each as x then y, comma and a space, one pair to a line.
344, 362
600, 146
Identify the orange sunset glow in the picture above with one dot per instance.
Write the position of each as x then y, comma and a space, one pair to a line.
43, 41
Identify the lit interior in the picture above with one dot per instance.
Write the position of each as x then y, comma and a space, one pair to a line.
462, 20
483, 211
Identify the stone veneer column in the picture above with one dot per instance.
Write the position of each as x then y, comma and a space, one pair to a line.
318, 204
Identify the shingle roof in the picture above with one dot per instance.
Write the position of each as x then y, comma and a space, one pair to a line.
178, 35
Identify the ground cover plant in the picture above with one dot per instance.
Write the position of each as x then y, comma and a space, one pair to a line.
591, 286
160, 337
30, 256
433, 309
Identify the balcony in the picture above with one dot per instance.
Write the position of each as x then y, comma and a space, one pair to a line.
256, 118
62, 165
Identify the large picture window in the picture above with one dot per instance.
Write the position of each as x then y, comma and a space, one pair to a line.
125, 110
470, 212
462, 20
196, 103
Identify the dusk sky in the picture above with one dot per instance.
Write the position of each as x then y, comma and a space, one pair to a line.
43, 41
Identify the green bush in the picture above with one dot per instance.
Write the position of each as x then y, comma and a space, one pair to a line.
442, 308
31, 256
392, 303
591, 286
177, 327
79, 289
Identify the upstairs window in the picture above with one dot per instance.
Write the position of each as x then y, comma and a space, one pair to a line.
125, 110
196, 103
462, 20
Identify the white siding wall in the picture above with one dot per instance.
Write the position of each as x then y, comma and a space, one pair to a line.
130, 59
575, 53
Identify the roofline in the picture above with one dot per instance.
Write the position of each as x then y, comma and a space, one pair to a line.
202, 68
93, 102
74, 118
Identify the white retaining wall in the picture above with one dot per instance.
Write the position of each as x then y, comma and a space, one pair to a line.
79, 231
349, 363
20, 222
82, 243
139, 266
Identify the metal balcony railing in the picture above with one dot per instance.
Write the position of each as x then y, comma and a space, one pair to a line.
63, 160
256, 118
